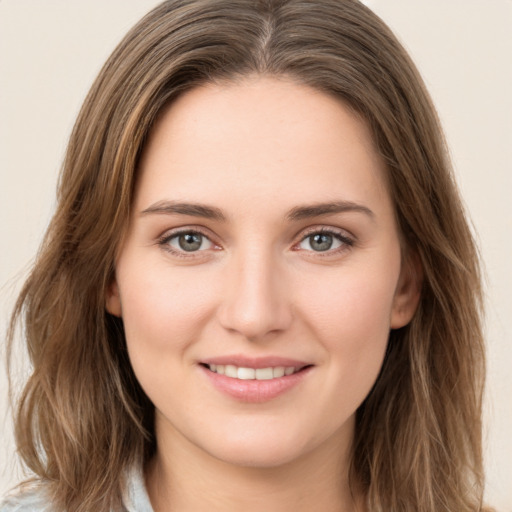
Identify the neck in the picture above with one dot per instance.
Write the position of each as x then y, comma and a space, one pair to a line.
189, 480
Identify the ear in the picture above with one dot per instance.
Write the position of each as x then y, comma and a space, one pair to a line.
113, 299
408, 292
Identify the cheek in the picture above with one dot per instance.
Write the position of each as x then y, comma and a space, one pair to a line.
162, 310
355, 305
352, 322
163, 314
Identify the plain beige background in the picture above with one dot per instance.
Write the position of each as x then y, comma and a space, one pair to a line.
51, 50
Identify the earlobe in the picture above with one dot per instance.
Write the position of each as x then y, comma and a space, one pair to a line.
408, 292
113, 299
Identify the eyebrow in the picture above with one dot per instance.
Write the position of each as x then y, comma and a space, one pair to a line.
318, 209
295, 214
192, 209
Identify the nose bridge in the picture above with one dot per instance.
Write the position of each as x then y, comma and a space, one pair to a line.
255, 302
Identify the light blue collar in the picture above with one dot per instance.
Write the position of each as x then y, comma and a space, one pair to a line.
136, 498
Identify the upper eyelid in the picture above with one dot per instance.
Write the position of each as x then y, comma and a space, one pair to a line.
326, 229
172, 232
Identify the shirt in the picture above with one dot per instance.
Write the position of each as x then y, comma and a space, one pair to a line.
135, 499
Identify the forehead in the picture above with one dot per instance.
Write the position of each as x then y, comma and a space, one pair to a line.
264, 139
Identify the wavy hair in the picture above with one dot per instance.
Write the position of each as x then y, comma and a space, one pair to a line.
82, 418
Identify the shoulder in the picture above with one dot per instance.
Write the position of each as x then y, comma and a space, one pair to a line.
28, 499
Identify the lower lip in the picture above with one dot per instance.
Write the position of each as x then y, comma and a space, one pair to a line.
255, 391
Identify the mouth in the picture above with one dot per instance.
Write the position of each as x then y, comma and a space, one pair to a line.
248, 373
254, 380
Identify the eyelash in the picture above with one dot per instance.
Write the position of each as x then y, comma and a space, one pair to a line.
346, 241
166, 238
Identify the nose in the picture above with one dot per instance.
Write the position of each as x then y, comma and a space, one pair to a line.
256, 301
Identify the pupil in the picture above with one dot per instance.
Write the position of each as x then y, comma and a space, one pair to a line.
190, 241
321, 242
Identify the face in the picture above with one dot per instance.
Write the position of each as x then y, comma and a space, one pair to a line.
261, 272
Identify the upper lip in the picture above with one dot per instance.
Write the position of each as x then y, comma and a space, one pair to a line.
255, 362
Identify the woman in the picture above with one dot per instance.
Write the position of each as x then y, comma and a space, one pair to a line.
259, 289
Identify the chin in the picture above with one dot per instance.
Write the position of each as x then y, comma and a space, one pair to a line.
266, 456
262, 448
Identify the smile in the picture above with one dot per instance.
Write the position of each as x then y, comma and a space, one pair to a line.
254, 380
244, 373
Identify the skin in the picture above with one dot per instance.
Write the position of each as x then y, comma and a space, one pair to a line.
258, 286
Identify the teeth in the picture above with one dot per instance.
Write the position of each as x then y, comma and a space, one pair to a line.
245, 373
264, 374
242, 373
278, 371
231, 371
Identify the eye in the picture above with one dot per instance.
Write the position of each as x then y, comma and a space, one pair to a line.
187, 241
325, 241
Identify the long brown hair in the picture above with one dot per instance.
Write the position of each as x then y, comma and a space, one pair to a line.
82, 417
